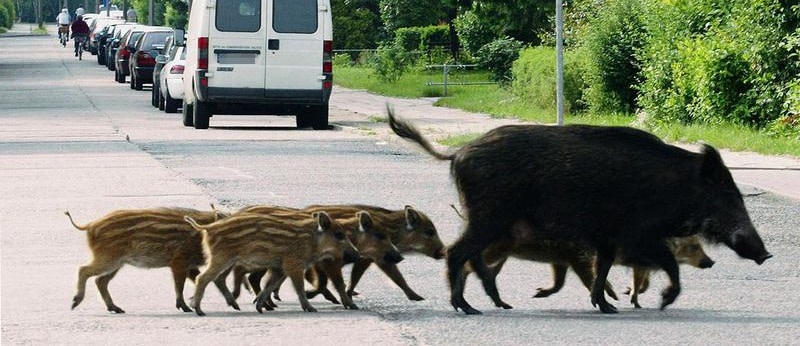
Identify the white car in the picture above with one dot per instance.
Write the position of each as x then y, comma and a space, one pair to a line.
171, 82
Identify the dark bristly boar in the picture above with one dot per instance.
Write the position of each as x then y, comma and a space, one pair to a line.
579, 257
409, 230
618, 189
149, 238
259, 241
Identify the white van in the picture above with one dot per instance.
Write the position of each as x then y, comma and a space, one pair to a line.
258, 57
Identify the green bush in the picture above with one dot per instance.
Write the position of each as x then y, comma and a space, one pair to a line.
4, 17
390, 62
422, 38
473, 32
498, 56
613, 41
535, 78
10, 15
176, 14
725, 62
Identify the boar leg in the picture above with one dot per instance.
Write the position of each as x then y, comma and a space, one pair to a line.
334, 272
359, 267
254, 278
393, 273
583, 268
295, 270
559, 276
102, 286
216, 267
98, 266
239, 275
223, 288
489, 280
477, 236
603, 262
640, 274
179, 274
263, 300
665, 259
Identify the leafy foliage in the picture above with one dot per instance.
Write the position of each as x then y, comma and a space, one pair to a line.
390, 62
535, 78
409, 13
498, 56
356, 24
474, 32
421, 38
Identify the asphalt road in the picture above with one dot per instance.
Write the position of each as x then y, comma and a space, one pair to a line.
63, 146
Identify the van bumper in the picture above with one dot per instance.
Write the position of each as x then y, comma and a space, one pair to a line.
269, 96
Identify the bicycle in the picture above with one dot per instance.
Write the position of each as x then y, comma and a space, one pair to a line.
80, 41
63, 34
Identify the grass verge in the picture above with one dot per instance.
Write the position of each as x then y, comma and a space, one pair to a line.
500, 102
39, 31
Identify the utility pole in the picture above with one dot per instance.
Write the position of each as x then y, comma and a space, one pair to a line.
150, 14
559, 63
39, 14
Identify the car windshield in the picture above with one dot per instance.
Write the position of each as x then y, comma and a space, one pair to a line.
154, 38
134, 37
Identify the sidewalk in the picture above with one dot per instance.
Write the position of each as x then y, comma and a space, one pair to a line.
777, 174
25, 29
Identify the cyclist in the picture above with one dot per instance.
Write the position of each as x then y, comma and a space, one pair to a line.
63, 20
79, 11
80, 31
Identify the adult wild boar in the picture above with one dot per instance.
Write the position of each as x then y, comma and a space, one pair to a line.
616, 188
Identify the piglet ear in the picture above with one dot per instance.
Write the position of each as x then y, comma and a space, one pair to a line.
713, 169
323, 220
365, 223
413, 220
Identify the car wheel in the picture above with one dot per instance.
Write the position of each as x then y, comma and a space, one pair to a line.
138, 85
101, 59
202, 113
161, 101
110, 63
120, 77
188, 114
154, 95
170, 104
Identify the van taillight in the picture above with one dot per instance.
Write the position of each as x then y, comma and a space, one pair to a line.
327, 63
176, 69
202, 53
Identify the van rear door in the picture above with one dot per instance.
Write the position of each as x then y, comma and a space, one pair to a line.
294, 49
237, 49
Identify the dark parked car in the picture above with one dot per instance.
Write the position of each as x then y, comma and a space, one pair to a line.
143, 58
167, 54
127, 46
112, 43
98, 27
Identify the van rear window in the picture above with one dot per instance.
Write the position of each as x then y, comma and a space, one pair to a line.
239, 15
295, 16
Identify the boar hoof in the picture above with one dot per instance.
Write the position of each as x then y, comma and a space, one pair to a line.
543, 293
669, 295
199, 312
502, 304
309, 308
351, 306
464, 306
605, 307
276, 296
312, 294
75, 301
115, 309
415, 297
636, 305
352, 293
235, 306
183, 307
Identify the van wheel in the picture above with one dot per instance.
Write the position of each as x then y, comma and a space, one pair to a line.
202, 113
188, 116
170, 104
318, 117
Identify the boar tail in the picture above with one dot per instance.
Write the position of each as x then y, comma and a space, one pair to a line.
406, 130
81, 228
194, 223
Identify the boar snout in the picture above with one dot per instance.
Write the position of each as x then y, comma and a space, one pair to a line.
393, 257
706, 263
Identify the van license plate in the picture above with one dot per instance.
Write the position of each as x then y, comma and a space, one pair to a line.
236, 58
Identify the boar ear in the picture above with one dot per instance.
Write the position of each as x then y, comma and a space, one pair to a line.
713, 169
323, 220
365, 223
413, 219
